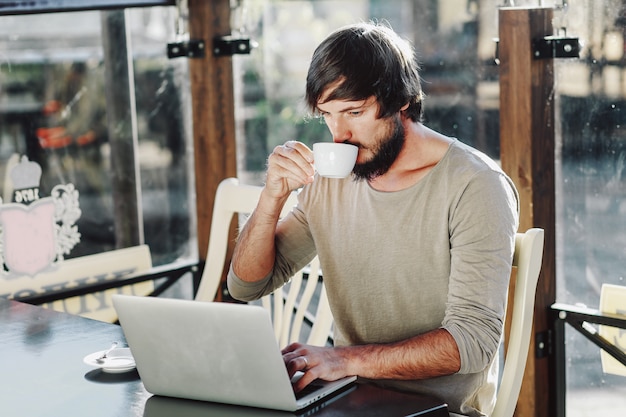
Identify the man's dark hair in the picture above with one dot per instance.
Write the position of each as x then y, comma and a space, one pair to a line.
367, 59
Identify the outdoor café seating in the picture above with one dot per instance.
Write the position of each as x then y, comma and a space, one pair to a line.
134, 137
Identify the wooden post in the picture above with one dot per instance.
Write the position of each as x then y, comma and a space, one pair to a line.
213, 112
527, 152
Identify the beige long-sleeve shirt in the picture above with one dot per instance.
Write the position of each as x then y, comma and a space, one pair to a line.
398, 264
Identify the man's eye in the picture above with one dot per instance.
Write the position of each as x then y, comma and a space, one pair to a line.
321, 117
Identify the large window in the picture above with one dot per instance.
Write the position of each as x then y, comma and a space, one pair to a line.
92, 98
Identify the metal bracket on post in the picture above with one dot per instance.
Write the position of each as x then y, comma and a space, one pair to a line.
556, 47
229, 45
543, 344
191, 48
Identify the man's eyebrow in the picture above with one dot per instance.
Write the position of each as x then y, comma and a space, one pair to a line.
349, 108
356, 107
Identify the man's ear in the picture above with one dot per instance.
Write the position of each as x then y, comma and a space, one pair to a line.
403, 109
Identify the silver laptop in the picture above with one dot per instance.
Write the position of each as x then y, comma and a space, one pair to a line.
218, 352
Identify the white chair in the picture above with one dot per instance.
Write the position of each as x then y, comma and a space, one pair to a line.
527, 258
289, 308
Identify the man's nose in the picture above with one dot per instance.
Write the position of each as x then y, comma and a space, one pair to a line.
340, 130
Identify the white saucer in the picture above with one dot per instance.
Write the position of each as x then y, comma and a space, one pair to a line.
118, 360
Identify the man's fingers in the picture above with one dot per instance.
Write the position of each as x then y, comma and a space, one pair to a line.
292, 162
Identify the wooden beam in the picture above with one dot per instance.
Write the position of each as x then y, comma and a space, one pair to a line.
213, 112
527, 153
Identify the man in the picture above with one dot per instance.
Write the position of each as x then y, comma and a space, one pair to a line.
416, 248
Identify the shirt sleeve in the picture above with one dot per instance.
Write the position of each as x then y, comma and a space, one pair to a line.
483, 224
294, 250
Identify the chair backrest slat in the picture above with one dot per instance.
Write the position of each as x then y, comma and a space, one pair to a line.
527, 258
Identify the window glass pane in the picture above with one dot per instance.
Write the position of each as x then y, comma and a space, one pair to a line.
163, 102
590, 186
55, 109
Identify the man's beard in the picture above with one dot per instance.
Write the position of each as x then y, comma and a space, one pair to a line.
385, 154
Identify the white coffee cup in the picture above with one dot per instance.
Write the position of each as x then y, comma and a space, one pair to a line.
334, 160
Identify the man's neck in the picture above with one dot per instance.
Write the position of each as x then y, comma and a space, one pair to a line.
422, 150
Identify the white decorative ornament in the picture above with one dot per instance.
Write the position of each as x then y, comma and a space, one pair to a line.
35, 232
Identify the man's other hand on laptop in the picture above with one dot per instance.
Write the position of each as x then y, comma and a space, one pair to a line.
325, 363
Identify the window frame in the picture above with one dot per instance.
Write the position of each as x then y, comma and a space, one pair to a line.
15, 7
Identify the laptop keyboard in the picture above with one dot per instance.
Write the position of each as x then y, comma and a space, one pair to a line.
312, 387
